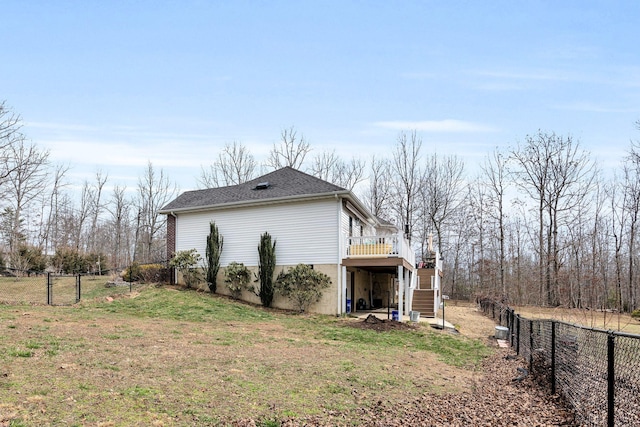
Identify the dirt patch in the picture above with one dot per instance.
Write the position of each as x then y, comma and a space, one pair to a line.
469, 320
373, 323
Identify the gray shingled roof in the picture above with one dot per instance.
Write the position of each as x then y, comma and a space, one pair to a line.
283, 183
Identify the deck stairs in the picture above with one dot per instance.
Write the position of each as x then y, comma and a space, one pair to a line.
423, 298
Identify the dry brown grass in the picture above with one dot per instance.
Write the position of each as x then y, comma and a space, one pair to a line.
194, 359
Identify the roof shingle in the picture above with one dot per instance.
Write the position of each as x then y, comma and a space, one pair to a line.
283, 183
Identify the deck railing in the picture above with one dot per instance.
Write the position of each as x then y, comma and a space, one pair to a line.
379, 247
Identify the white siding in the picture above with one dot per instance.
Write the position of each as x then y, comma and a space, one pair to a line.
344, 222
305, 232
368, 230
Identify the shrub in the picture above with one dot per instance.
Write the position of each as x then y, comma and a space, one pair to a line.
214, 249
28, 258
150, 273
132, 273
237, 277
636, 314
186, 262
266, 268
302, 285
96, 262
68, 261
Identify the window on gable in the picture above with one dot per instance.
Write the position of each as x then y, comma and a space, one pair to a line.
350, 226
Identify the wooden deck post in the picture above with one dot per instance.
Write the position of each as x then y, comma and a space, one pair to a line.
401, 285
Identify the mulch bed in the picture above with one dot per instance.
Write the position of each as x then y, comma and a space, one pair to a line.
497, 399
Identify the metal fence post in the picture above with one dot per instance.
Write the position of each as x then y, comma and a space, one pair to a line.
518, 334
531, 345
553, 357
48, 288
78, 291
611, 380
512, 320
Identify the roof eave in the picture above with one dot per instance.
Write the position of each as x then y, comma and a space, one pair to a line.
246, 203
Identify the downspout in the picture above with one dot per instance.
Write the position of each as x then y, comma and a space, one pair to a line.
339, 263
174, 274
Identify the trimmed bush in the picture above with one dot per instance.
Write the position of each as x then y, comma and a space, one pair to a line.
302, 285
186, 262
237, 277
266, 268
214, 249
151, 273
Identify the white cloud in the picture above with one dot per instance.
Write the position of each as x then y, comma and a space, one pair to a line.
119, 153
448, 125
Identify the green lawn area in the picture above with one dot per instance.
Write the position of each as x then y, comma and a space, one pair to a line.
167, 356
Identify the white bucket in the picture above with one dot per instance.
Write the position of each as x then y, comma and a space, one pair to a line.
502, 333
414, 316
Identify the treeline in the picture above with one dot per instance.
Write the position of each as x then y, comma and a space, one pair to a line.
50, 223
537, 223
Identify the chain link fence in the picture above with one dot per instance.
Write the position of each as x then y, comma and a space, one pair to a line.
24, 287
597, 371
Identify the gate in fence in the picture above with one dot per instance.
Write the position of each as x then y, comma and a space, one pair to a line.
597, 371
63, 289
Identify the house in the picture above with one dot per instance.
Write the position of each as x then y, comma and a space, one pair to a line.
369, 261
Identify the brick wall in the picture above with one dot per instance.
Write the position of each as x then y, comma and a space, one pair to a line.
171, 236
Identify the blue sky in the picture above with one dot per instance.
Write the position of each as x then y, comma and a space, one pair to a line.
111, 85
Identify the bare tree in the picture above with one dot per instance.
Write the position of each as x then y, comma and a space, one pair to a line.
324, 165
557, 175
10, 134
409, 175
618, 226
631, 205
478, 207
96, 208
235, 165
329, 167
87, 196
495, 171
378, 195
291, 151
50, 213
154, 191
119, 208
440, 192
26, 181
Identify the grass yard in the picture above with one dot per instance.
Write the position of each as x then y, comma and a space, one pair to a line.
165, 356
